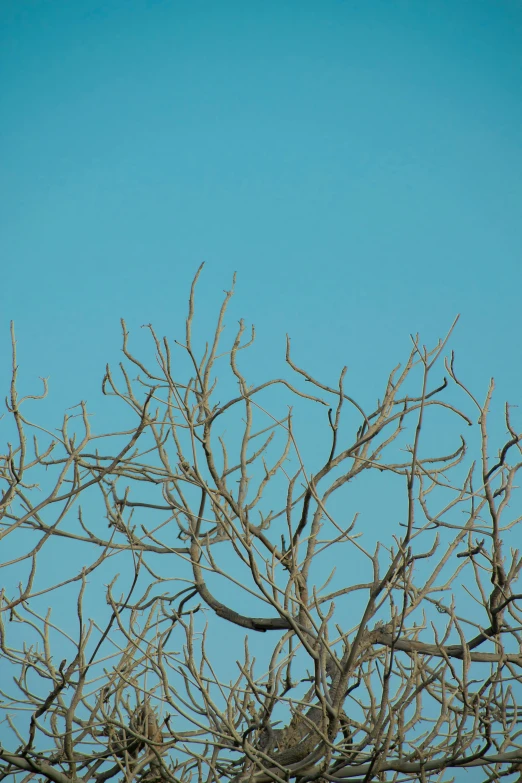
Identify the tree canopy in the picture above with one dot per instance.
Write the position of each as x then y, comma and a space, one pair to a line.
263, 582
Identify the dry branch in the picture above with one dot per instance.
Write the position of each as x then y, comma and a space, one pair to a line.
211, 526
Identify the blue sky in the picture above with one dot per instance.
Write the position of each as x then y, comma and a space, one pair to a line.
358, 163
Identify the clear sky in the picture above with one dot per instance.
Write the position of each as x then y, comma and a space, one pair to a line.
358, 163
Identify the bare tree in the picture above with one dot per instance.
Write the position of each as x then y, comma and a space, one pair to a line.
251, 627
